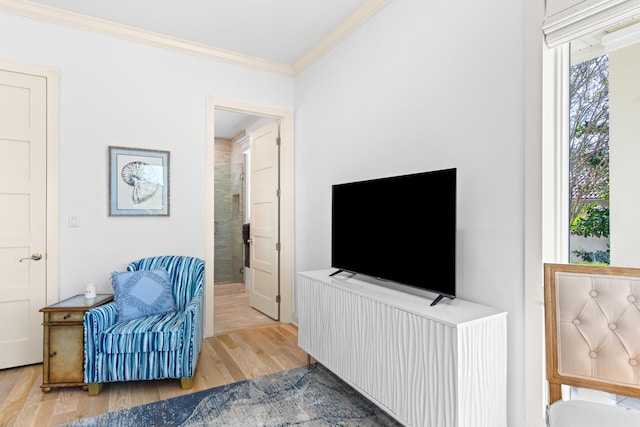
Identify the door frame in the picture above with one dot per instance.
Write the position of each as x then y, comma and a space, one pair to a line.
286, 201
52, 77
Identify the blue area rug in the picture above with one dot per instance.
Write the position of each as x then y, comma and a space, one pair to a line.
297, 397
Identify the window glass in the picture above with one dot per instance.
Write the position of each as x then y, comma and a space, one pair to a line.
589, 161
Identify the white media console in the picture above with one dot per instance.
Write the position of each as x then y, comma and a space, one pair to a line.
437, 366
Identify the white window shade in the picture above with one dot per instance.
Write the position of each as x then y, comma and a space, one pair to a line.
566, 20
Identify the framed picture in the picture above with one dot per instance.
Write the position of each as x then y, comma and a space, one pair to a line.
138, 182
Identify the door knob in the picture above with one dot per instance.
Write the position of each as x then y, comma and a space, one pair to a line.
34, 256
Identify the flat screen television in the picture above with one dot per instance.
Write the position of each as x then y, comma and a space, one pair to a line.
399, 229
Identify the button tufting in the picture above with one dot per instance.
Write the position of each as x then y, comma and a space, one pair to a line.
593, 355
593, 294
633, 362
631, 298
576, 321
612, 326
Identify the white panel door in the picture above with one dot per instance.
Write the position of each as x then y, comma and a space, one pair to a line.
264, 288
23, 165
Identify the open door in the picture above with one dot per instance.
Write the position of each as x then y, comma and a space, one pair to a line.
264, 288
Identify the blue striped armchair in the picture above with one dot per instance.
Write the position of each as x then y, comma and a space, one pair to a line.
156, 346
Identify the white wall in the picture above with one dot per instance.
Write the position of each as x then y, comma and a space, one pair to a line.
624, 155
424, 86
116, 92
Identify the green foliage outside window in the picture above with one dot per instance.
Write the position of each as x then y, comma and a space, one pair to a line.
592, 221
589, 153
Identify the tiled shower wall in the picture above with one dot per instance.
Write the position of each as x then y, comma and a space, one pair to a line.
229, 212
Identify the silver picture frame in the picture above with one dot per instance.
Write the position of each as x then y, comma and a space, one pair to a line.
138, 182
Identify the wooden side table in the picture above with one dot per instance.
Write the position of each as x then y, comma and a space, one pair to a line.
63, 359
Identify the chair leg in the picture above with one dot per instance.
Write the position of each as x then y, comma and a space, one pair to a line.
186, 383
94, 389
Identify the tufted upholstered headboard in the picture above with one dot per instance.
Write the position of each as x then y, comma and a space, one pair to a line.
592, 328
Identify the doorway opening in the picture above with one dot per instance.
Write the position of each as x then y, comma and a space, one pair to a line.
232, 217
285, 220
232, 309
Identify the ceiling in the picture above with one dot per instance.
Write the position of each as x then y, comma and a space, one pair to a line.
276, 30
230, 123
281, 32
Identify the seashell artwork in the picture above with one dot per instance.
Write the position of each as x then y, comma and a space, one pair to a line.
138, 182
143, 178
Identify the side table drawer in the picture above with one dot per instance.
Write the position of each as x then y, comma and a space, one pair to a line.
70, 316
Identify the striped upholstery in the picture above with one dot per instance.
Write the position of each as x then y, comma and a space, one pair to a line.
162, 332
153, 347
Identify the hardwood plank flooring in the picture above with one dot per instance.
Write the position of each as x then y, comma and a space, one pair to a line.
232, 310
244, 346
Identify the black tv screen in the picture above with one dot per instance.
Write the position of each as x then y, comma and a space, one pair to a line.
400, 229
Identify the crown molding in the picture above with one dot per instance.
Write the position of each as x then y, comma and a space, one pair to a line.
96, 25
88, 23
342, 30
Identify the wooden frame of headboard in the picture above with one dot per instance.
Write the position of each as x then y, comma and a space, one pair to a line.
601, 277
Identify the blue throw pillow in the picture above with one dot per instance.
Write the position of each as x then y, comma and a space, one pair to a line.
142, 293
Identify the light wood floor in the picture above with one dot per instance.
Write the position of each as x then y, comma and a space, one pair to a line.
232, 311
240, 350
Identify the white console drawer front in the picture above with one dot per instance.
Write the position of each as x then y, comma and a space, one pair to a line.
422, 371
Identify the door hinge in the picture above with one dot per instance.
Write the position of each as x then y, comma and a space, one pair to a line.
277, 298
278, 246
278, 141
278, 193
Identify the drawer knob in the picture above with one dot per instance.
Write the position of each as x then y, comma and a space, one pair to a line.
66, 316
53, 354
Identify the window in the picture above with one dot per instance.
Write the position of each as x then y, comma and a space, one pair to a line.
599, 153
615, 54
588, 169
